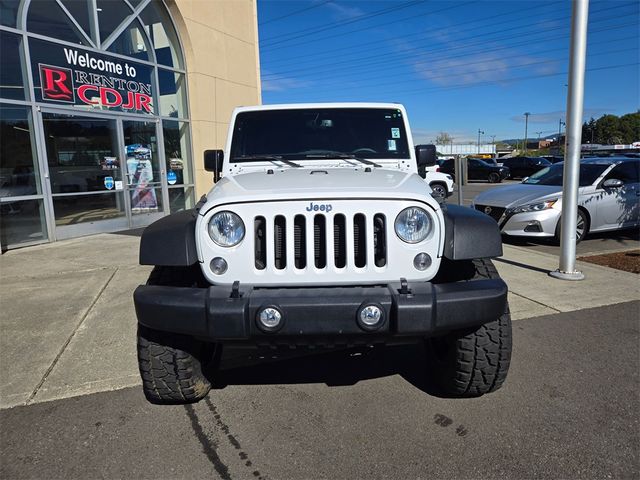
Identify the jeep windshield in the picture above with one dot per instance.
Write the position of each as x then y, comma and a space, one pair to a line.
552, 175
319, 133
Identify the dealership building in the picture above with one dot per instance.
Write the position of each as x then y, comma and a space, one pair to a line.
106, 108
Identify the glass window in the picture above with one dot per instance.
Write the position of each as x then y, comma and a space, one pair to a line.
80, 11
627, 172
177, 152
111, 14
74, 209
18, 166
173, 94
9, 12
22, 222
131, 42
82, 153
11, 81
181, 199
552, 175
47, 18
163, 36
311, 133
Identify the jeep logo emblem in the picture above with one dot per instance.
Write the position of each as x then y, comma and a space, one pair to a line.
487, 210
314, 207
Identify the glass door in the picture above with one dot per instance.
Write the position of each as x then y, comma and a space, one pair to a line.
145, 182
85, 173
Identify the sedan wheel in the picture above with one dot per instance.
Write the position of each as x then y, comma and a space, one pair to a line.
582, 227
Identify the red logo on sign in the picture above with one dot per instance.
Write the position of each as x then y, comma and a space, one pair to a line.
57, 84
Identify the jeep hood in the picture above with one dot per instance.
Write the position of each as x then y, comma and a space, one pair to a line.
308, 183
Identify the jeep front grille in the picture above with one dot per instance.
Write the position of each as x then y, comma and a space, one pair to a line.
320, 240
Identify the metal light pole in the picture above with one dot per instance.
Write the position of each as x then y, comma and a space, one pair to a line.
526, 126
571, 175
560, 124
480, 132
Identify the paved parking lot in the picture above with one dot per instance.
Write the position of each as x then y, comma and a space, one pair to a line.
594, 244
569, 409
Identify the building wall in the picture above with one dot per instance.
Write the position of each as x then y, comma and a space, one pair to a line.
220, 41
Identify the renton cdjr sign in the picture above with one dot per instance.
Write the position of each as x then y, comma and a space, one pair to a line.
107, 88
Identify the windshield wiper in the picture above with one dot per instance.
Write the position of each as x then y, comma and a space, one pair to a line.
271, 158
342, 156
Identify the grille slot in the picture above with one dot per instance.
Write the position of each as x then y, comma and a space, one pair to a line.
300, 241
320, 241
340, 241
280, 242
260, 243
360, 240
379, 240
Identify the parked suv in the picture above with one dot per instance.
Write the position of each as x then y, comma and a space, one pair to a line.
522, 167
478, 170
320, 233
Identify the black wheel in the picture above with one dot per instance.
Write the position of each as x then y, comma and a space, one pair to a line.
470, 363
582, 227
173, 366
494, 177
439, 191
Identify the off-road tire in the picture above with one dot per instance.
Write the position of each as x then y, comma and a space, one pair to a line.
172, 366
471, 362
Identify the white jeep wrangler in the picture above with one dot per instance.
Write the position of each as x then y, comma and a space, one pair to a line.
319, 231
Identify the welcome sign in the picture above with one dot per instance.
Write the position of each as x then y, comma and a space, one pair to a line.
78, 77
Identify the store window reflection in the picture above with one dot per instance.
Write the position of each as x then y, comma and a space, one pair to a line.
18, 165
21, 221
11, 81
177, 148
82, 153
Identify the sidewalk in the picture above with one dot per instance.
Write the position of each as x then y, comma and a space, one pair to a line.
67, 324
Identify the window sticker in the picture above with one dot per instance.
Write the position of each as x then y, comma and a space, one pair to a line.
119, 185
391, 145
395, 132
108, 183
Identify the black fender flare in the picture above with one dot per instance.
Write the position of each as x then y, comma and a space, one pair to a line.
170, 241
470, 234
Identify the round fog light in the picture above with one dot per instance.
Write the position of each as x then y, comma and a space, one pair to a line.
370, 317
422, 261
218, 265
269, 319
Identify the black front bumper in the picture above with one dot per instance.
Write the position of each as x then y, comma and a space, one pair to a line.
219, 314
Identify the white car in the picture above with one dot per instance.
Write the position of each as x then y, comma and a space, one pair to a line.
608, 199
319, 232
441, 184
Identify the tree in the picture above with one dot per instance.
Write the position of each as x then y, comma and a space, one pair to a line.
630, 127
443, 138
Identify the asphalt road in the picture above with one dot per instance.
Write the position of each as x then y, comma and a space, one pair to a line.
594, 244
569, 409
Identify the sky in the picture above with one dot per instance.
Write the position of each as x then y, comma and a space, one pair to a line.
457, 66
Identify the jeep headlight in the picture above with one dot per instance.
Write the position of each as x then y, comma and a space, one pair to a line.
413, 225
534, 207
226, 229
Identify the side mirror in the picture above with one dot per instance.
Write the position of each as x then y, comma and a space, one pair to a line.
525, 179
213, 162
425, 157
612, 183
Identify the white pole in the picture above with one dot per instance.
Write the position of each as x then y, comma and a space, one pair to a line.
571, 176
